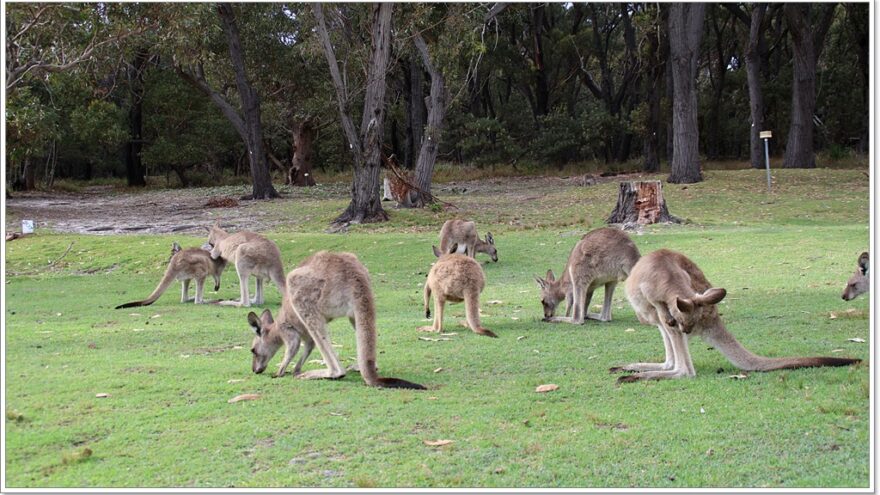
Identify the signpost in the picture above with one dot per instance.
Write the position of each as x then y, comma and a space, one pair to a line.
766, 135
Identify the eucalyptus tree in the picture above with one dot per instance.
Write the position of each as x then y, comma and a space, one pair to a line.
685, 32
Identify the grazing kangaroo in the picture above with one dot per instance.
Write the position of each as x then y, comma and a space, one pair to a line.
252, 254
322, 288
464, 234
602, 257
455, 278
668, 290
859, 283
185, 265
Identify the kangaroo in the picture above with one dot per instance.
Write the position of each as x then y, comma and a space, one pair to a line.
858, 283
322, 288
455, 278
252, 254
464, 234
185, 265
668, 290
602, 257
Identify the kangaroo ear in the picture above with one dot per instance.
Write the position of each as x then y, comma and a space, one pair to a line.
541, 282
711, 296
453, 248
684, 305
255, 323
175, 247
437, 252
550, 277
864, 263
489, 238
267, 316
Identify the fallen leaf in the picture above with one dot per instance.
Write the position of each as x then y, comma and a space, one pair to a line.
495, 302
450, 334
316, 361
155, 316
235, 380
514, 318
184, 355
436, 443
856, 339
134, 314
102, 395
438, 370
738, 377
242, 397
521, 337
836, 350
549, 387
702, 411
432, 398
630, 330
336, 414
833, 316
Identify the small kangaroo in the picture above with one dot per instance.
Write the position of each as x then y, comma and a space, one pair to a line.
668, 290
858, 283
455, 278
185, 265
602, 257
252, 254
322, 288
464, 234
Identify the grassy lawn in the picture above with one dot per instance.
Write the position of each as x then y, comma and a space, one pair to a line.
170, 368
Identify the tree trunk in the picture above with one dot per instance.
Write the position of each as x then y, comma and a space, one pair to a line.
542, 91
754, 56
415, 116
685, 32
433, 132
366, 147
134, 169
641, 202
29, 174
250, 105
806, 46
300, 174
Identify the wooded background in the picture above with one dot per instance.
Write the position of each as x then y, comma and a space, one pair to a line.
203, 91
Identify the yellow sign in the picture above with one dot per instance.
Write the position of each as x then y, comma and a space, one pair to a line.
766, 134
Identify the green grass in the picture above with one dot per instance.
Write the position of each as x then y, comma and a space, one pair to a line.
168, 367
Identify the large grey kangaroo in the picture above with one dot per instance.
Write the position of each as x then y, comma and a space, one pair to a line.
252, 254
668, 290
603, 256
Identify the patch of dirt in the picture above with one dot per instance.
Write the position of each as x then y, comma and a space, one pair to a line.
100, 211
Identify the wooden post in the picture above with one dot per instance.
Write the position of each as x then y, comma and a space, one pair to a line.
641, 202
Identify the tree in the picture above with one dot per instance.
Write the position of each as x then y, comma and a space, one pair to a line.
133, 167
250, 107
685, 33
807, 35
365, 146
433, 132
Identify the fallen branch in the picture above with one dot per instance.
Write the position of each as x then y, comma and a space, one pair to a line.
63, 255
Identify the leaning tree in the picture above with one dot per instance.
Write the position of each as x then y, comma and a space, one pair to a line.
365, 145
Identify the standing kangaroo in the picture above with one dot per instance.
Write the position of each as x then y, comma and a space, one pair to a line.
668, 290
185, 265
464, 234
602, 257
252, 254
858, 283
323, 287
455, 278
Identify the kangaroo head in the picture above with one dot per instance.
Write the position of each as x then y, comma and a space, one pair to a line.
266, 342
488, 247
552, 291
175, 247
215, 235
697, 311
858, 283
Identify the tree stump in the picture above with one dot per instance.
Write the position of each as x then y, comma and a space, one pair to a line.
641, 202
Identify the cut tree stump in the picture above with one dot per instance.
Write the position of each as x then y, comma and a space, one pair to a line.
641, 202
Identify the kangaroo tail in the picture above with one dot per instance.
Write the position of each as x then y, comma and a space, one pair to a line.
743, 359
167, 279
365, 330
472, 311
427, 299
